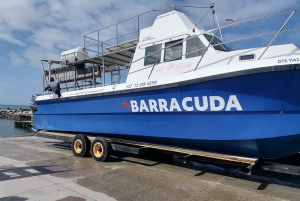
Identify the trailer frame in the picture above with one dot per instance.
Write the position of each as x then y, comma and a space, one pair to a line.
138, 148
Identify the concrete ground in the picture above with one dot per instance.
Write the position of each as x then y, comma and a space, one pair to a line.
34, 168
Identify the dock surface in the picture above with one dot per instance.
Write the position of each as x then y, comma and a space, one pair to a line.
33, 168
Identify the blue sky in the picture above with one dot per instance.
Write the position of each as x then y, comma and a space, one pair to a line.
31, 30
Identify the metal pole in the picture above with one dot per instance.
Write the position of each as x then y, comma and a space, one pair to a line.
119, 74
153, 67
151, 70
117, 36
43, 76
103, 72
65, 77
111, 77
83, 41
74, 77
206, 50
98, 42
218, 23
280, 30
55, 76
49, 66
93, 75
138, 24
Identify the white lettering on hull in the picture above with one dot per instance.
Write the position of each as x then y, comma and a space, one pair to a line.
217, 103
185, 106
204, 101
189, 104
134, 106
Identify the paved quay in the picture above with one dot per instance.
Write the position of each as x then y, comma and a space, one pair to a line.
33, 168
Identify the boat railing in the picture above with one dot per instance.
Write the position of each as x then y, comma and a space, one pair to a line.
214, 31
117, 39
292, 12
71, 77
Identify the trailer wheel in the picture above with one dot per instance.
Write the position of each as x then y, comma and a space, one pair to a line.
100, 149
81, 145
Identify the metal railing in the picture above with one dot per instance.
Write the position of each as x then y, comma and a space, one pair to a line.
213, 32
101, 43
226, 42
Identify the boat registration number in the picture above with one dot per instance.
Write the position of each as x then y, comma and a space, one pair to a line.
141, 84
291, 60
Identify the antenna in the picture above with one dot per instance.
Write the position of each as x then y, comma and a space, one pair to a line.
215, 13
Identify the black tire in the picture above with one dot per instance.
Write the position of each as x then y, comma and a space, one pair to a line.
81, 145
100, 149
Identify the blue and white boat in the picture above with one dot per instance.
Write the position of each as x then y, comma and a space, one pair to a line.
184, 87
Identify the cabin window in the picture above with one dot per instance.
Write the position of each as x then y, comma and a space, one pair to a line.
175, 51
194, 47
217, 43
152, 58
247, 57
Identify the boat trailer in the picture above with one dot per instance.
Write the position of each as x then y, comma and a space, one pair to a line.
101, 147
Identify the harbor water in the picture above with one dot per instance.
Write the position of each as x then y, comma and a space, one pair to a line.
7, 128
14, 107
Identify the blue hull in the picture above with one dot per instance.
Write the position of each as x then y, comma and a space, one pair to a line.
254, 115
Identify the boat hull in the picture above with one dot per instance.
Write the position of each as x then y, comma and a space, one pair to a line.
254, 115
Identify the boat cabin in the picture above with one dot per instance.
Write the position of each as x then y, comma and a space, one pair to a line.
173, 45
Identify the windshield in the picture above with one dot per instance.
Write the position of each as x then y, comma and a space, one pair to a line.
217, 43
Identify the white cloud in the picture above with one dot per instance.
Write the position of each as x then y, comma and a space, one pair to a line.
43, 29
35, 54
19, 15
16, 60
9, 38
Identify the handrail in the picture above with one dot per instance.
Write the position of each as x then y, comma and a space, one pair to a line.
253, 19
153, 10
110, 39
195, 6
117, 29
279, 31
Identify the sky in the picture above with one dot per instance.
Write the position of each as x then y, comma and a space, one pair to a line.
31, 30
